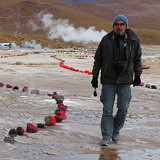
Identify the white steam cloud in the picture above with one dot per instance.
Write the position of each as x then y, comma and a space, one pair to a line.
33, 25
61, 28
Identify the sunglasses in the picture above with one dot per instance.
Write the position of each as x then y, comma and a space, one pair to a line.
119, 24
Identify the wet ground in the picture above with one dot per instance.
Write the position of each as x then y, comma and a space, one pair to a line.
77, 137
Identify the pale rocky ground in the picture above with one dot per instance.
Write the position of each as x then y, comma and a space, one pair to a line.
77, 137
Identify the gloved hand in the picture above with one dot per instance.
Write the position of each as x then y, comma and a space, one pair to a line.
137, 81
94, 82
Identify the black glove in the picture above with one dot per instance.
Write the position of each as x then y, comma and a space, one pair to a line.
94, 82
137, 81
95, 93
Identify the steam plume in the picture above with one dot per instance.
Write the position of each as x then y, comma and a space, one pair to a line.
61, 28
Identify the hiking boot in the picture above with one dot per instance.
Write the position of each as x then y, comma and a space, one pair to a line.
105, 142
115, 137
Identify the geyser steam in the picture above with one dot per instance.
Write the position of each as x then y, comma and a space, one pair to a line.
61, 28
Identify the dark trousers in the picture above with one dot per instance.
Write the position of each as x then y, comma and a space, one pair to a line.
110, 124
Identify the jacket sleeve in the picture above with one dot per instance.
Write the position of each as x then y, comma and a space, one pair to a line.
137, 60
97, 60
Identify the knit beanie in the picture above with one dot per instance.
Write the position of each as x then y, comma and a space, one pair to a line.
121, 18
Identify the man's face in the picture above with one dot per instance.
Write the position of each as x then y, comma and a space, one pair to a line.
119, 27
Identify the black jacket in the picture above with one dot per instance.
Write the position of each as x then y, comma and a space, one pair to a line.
104, 60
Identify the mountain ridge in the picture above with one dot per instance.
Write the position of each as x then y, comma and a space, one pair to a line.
15, 15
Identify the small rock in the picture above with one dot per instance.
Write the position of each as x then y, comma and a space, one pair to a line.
16, 88
1, 84
40, 125
20, 130
35, 91
8, 86
13, 133
9, 140
153, 86
148, 86
25, 89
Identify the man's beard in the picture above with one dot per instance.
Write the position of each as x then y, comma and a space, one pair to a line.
120, 32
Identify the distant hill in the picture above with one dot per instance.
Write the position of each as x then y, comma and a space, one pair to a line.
141, 13
80, 1
15, 15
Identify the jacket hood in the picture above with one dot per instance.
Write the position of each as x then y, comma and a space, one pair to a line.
131, 34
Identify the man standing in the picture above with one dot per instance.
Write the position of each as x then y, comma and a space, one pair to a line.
118, 56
